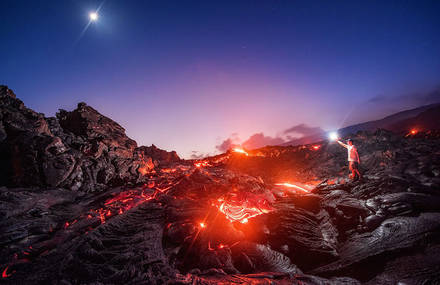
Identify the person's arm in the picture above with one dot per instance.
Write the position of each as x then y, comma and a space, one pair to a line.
343, 144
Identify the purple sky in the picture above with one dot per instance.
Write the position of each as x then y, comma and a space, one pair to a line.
186, 75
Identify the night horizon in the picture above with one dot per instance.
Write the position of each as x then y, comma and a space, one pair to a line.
188, 76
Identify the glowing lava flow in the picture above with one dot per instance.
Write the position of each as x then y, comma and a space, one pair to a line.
289, 185
242, 211
200, 164
240, 150
121, 203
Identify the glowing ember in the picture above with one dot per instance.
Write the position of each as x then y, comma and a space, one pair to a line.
202, 225
5, 273
316, 147
240, 150
412, 132
244, 221
289, 185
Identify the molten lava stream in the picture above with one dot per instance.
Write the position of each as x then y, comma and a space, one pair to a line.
293, 186
243, 210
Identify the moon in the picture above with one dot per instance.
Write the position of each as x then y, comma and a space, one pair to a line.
93, 16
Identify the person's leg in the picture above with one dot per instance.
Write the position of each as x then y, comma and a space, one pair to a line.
352, 169
357, 171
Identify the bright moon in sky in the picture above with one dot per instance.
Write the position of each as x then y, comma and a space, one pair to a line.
93, 16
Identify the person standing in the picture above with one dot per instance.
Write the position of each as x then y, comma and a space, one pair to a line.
353, 159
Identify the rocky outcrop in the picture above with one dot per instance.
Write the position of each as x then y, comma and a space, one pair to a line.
78, 150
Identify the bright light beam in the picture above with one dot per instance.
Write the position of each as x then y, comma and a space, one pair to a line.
333, 136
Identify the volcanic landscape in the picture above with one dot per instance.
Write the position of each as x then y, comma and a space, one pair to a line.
81, 203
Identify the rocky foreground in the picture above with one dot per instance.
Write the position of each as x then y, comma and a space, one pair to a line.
81, 203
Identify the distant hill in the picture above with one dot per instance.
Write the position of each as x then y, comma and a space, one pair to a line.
422, 118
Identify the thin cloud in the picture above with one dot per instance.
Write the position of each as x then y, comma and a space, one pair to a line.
303, 130
258, 140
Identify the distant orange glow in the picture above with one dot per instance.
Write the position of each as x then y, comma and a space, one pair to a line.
289, 185
316, 147
412, 132
240, 150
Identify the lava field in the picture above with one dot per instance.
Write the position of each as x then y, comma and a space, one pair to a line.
81, 203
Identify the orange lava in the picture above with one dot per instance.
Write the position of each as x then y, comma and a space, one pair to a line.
200, 164
169, 170
119, 204
240, 150
290, 185
241, 211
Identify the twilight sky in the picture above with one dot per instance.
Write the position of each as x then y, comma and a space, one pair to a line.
187, 75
